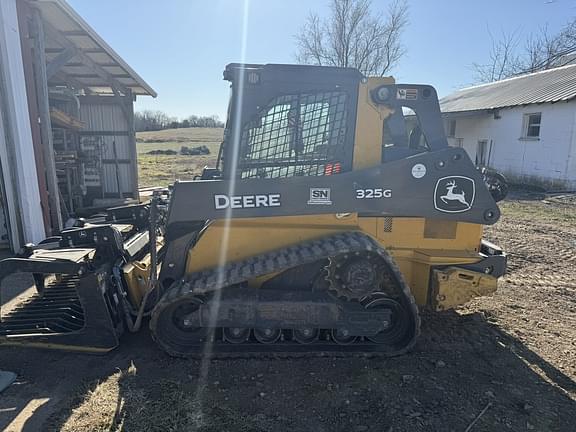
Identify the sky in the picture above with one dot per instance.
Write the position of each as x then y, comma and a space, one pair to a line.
180, 47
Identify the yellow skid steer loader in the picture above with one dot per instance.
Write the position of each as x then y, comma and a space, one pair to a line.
336, 211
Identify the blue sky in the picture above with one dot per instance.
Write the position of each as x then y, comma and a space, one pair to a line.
180, 47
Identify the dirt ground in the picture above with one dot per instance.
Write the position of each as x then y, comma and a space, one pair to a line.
507, 363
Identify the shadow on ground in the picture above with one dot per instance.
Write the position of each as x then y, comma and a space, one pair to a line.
461, 365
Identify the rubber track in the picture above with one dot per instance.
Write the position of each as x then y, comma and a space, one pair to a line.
207, 281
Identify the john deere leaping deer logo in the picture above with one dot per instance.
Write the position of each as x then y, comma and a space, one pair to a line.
454, 194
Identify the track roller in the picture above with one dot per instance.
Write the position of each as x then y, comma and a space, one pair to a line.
267, 335
306, 335
342, 336
236, 335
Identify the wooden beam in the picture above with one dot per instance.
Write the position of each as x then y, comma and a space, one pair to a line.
129, 101
93, 75
45, 123
59, 61
75, 33
24, 12
66, 43
84, 50
116, 161
104, 133
122, 104
66, 79
78, 64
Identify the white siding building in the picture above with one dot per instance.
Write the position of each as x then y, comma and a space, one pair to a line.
524, 127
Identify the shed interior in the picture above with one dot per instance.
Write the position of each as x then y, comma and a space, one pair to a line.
82, 92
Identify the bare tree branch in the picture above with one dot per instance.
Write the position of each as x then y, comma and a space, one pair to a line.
503, 60
352, 36
541, 50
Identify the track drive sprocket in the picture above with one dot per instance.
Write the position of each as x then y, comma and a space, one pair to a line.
354, 276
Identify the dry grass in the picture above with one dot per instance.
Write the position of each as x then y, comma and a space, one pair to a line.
183, 134
101, 406
162, 170
123, 403
557, 209
127, 402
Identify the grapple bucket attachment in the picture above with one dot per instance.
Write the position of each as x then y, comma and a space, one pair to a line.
70, 307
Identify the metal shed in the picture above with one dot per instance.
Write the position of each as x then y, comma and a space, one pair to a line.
77, 95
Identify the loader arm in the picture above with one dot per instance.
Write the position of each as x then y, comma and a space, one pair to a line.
389, 189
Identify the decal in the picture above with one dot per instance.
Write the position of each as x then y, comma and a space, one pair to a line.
222, 201
373, 193
454, 194
253, 78
406, 94
319, 196
418, 171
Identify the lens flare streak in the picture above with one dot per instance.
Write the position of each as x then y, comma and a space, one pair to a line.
222, 259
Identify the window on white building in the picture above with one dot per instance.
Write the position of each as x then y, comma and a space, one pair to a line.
531, 125
451, 128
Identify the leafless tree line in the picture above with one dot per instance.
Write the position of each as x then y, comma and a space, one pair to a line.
158, 120
510, 55
354, 36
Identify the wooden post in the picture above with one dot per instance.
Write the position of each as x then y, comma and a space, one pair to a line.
45, 123
24, 12
127, 105
60, 60
129, 100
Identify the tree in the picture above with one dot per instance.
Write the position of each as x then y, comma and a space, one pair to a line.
540, 51
151, 120
158, 120
353, 36
545, 51
503, 60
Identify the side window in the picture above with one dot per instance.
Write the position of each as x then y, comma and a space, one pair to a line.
295, 135
531, 125
402, 129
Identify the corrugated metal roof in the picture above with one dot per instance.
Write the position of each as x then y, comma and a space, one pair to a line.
552, 85
95, 53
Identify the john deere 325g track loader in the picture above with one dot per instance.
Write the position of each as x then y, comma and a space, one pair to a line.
337, 210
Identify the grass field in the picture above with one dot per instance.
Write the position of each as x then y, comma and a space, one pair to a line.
161, 170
